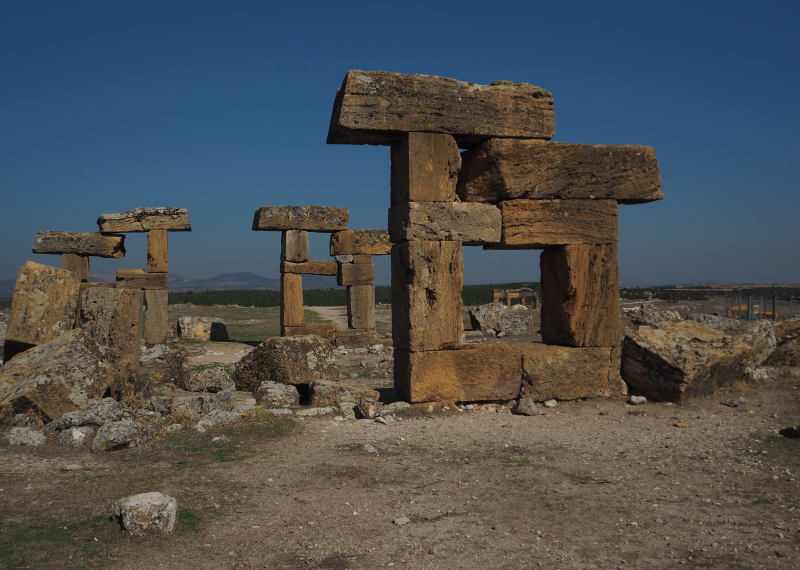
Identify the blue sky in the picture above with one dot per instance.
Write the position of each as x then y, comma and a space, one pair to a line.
223, 107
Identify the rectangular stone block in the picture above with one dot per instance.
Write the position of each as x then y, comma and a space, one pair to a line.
157, 251
361, 242
45, 305
427, 278
140, 279
156, 323
307, 218
292, 314
474, 224
357, 338
146, 219
538, 224
580, 296
361, 307
80, 243
78, 264
567, 373
425, 168
504, 169
294, 246
359, 259
469, 374
344, 258
313, 267
352, 274
325, 330
375, 107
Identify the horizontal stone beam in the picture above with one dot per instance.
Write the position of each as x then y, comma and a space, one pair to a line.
501, 170
361, 242
306, 218
140, 279
377, 107
146, 219
473, 224
80, 243
313, 267
539, 224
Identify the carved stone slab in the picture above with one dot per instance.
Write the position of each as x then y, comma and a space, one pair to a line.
80, 243
146, 219
308, 218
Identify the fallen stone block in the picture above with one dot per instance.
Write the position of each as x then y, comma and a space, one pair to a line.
566, 373
360, 242
288, 360
376, 107
121, 435
276, 395
211, 380
146, 219
294, 246
327, 393
108, 410
76, 436
146, 513
497, 317
96, 244
313, 267
425, 168
649, 315
324, 330
78, 418
506, 169
356, 338
472, 223
686, 360
217, 418
471, 373
713, 321
306, 218
157, 251
525, 407
140, 279
25, 436
203, 328
368, 408
352, 274
44, 306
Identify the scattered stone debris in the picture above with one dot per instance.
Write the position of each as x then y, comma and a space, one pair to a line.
637, 400
551, 403
120, 435
400, 521
146, 513
733, 402
276, 395
327, 393
25, 436
649, 315
369, 449
368, 408
713, 321
496, 317
216, 418
155, 353
525, 407
210, 380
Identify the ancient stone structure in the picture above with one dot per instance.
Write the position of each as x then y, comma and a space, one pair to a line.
511, 189
508, 294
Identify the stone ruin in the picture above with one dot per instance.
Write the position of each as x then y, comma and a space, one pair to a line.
508, 295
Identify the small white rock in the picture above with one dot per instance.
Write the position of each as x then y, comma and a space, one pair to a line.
550, 403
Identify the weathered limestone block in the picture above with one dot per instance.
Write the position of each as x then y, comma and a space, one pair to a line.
474, 224
497, 317
139, 279
157, 251
504, 169
537, 224
356, 338
427, 278
361, 307
80, 243
352, 274
294, 246
211, 380
326, 393
361, 242
45, 305
276, 395
156, 322
360, 259
471, 373
121, 435
566, 373
146, 219
312, 267
203, 328
324, 330
374, 107
147, 513
25, 436
288, 360
78, 264
307, 218
688, 360
580, 296
425, 168
292, 314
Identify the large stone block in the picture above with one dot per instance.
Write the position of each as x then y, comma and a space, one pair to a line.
471, 373
79, 243
427, 278
312, 267
425, 168
323, 330
375, 107
326, 393
140, 279
358, 259
146, 219
685, 359
203, 328
580, 296
356, 338
157, 251
294, 246
156, 322
44, 306
538, 224
307, 218
361, 242
292, 314
504, 169
288, 360
566, 373
78, 264
147, 513
361, 307
474, 224
355, 274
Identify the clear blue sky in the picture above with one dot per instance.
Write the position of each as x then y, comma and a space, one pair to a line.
223, 107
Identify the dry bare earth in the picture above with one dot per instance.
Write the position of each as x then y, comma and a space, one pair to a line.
571, 489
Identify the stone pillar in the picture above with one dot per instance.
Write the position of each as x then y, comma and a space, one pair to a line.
78, 264
156, 321
292, 314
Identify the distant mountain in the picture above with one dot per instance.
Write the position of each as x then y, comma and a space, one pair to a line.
244, 280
